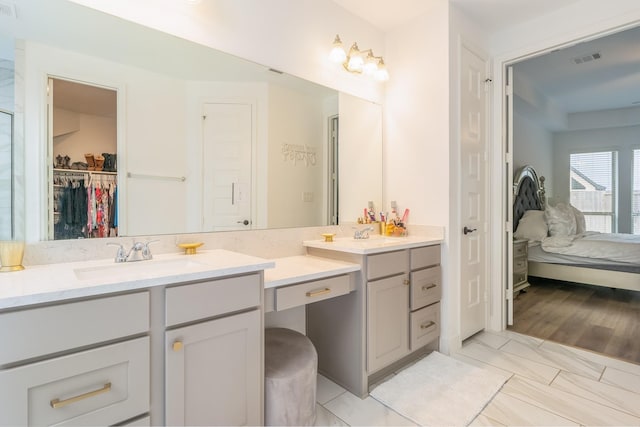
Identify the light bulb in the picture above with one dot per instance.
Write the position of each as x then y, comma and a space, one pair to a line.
355, 63
370, 65
338, 55
382, 75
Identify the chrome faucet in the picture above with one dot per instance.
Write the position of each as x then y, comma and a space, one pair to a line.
362, 233
138, 252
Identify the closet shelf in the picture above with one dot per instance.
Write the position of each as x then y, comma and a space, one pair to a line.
82, 171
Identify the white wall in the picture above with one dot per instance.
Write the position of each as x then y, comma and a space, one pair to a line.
295, 119
294, 36
533, 145
360, 152
416, 118
95, 134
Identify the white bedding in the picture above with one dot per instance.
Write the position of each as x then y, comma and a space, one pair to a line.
624, 248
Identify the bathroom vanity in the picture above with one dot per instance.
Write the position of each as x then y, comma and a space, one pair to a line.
392, 317
94, 343
178, 340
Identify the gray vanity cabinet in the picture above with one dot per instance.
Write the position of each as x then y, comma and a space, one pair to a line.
76, 363
387, 309
213, 353
391, 319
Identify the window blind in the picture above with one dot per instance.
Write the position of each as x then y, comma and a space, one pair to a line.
593, 188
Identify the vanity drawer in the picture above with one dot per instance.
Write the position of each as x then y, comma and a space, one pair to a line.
102, 386
40, 331
201, 300
425, 326
425, 287
308, 292
386, 264
425, 257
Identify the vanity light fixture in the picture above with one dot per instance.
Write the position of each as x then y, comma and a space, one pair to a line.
359, 61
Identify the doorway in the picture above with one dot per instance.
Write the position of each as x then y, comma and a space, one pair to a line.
83, 169
533, 137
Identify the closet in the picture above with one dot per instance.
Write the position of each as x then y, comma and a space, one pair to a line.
83, 183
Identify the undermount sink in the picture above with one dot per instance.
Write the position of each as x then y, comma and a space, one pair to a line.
138, 268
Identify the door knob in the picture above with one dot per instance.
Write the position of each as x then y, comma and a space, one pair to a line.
468, 230
245, 222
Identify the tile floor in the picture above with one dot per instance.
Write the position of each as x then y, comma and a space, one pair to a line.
548, 385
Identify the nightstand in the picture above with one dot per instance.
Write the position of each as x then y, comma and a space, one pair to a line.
520, 265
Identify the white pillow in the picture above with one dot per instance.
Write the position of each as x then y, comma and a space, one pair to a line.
561, 220
581, 223
532, 226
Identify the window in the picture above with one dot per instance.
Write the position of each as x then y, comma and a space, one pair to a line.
635, 193
593, 188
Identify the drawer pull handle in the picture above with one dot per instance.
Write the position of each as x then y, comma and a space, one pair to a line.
406, 282
177, 346
57, 403
319, 292
427, 325
427, 287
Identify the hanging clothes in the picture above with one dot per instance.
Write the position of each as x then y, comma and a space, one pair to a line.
84, 209
69, 215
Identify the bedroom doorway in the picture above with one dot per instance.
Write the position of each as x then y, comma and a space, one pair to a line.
532, 131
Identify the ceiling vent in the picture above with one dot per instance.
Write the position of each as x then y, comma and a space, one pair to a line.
586, 58
7, 10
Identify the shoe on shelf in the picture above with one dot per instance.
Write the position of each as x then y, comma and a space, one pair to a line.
91, 162
99, 163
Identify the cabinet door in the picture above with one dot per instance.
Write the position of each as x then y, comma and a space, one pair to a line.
387, 321
213, 372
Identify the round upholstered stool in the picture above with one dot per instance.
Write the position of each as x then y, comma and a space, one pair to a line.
290, 370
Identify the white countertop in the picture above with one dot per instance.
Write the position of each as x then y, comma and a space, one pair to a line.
302, 268
374, 244
55, 282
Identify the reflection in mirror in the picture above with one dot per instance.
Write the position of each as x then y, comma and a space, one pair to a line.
205, 141
83, 138
7, 227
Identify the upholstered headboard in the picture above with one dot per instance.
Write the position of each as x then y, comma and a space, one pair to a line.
528, 193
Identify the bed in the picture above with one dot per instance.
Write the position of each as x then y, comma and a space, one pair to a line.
572, 255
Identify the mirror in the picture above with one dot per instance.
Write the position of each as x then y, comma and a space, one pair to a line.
7, 228
177, 170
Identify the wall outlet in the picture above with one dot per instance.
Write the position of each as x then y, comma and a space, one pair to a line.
307, 196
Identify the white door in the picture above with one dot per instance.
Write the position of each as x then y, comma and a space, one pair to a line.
473, 246
226, 160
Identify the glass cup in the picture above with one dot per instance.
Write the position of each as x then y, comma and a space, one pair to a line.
11, 253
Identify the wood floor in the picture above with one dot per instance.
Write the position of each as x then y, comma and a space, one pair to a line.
600, 319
